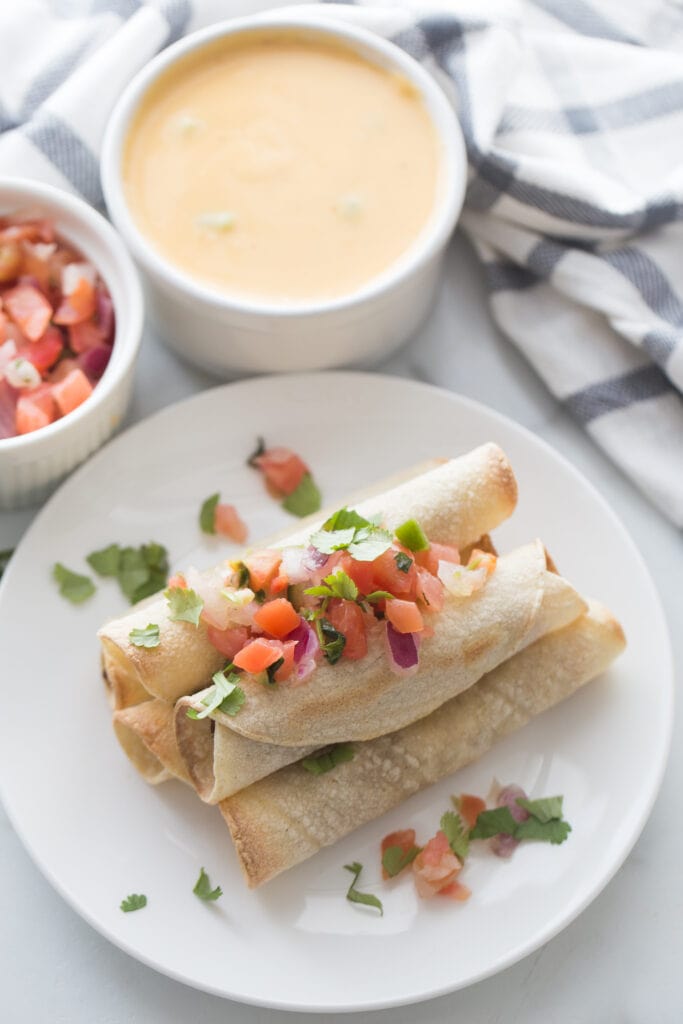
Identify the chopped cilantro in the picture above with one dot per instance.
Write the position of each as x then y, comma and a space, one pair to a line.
257, 453
4, 560
403, 563
456, 833
379, 595
72, 586
552, 831
202, 888
136, 901
346, 530
412, 536
242, 574
106, 561
366, 898
337, 584
329, 541
395, 859
544, 809
147, 637
260, 596
185, 605
345, 518
332, 642
207, 514
304, 499
224, 695
140, 571
272, 669
493, 823
322, 763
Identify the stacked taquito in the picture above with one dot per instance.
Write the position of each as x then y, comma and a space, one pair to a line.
524, 642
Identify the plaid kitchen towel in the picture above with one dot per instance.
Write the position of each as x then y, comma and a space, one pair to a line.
572, 112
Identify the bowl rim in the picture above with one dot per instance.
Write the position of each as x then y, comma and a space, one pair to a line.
430, 241
129, 324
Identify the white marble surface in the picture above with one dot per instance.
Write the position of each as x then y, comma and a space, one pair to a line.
619, 962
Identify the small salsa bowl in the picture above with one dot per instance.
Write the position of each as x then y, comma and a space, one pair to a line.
32, 464
230, 334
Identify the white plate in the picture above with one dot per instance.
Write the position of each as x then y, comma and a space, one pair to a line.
98, 832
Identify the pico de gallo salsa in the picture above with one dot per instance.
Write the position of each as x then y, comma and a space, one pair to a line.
56, 326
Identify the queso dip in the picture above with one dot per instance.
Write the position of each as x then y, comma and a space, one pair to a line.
280, 166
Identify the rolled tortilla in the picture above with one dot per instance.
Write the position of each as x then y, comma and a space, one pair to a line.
287, 817
455, 502
520, 602
147, 734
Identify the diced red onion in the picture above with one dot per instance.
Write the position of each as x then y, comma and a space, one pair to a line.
314, 559
403, 649
293, 565
504, 845
72, 273
306, 638
105, 314
94, 361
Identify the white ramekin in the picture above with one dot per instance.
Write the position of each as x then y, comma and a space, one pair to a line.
227, 334
32, 464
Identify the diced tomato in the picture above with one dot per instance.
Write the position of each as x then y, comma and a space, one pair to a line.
430, 591
348, 618
388, 576
72, 391
34, 412
228, 523
436, 553
456, 891
277, 617
280, 584
79, 305
45, 352
404, 616
10, 260
85, 335
177, 580
470, 807
29, 309
285, 670
435, 867
263, 567
258, 655
482, 560
404, 839
362, 573
62, 370
227, 641
282, 468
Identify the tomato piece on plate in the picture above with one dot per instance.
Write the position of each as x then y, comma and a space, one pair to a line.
282, 469
404, 839
177, 580
348, 618
470, 807
227, 641
228, 523
72, 391
263, 566
456, 891
258, 655
404, 616
277, 617
29, 309
435, 867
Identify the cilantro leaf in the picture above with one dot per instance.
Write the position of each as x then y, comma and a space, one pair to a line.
136, 901
344, 519
379, 595
72, 586
147, 637
203, 888
106, 561
224, 695
207, 514
272, 669
456, 833
322, 763
543, 810
332, 642
366, 898
337, 584
369, 543
403, 563
133, 571
257, 453
552, 831
493, 823
4, 559
329, 541
412, 536
156, 556
185, 605
305, 499
395, 859
242, 574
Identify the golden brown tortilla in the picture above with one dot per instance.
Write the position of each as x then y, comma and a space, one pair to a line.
146, 733
289, 816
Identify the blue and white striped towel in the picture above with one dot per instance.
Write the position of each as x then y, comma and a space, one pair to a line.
572, 112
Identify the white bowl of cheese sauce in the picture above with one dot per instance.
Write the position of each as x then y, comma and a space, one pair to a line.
287, 185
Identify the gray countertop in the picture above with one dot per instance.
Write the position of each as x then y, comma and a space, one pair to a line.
619, 962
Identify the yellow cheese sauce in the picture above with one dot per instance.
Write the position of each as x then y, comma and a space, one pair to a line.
281, 167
